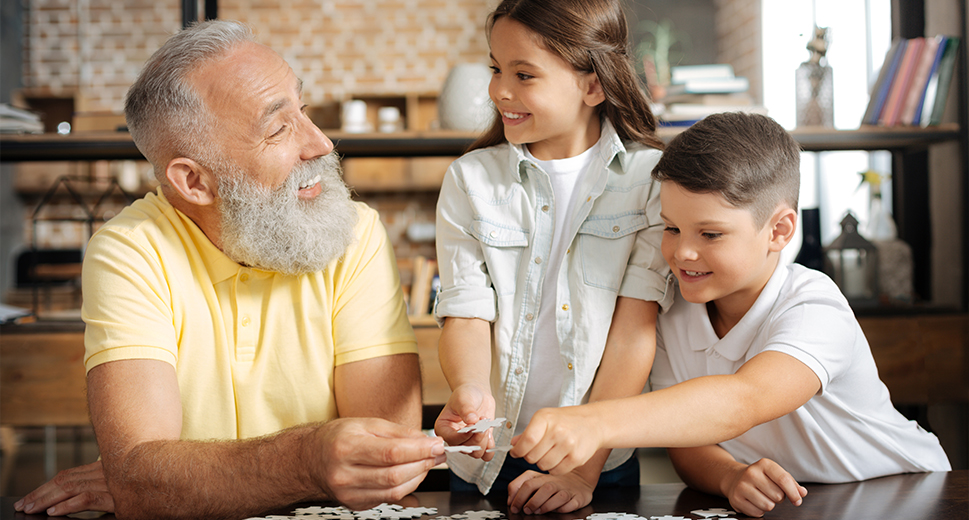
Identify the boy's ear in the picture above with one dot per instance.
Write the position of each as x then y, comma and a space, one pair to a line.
594, 95
192, 181
783, 227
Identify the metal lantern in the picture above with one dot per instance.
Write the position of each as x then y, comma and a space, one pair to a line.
852, 262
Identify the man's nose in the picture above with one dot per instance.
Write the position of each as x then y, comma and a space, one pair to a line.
316, 143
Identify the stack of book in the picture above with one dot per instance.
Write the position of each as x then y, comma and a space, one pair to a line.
419, 281
696, 91
913, 84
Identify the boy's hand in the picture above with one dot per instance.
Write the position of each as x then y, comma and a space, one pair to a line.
536, 493
755, 489
559, 440
467, 405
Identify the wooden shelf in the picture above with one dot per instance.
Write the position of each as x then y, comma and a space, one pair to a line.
91, 146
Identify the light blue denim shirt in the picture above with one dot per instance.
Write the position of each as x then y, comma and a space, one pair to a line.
494, 229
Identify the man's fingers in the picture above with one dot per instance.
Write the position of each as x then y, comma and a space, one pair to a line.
102, 501
786, 484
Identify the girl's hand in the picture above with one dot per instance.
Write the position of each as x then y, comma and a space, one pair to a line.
757, 488
536, 493
559, 440
467, 405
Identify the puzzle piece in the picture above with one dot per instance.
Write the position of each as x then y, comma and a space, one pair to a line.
482, 426
667, 517
614, 516
499, 448
461, 449
478, 515
714, 512
319, 510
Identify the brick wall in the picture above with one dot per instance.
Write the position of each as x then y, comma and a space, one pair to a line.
739, 40
93, 49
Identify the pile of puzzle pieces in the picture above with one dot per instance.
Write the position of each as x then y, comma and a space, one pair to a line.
397, 512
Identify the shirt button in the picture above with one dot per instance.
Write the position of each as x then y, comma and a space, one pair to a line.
508, 425
570, 366
245, 321
545, 208
588, 198
244, 277
538, 260
615, 229
565, 307
529, 317
519, 370
569, 250
493, 234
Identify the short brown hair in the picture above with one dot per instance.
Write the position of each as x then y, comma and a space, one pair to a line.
591, 36
748, 159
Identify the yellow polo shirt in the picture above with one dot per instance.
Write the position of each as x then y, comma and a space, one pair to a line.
253, 350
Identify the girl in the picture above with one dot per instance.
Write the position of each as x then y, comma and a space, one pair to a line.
548, 237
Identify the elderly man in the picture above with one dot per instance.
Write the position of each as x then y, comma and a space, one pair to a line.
245, 318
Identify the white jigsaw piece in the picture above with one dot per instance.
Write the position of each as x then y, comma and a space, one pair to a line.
482, 426
667, 517
713, 512
478, 515
614, 516
461, 449
499, 448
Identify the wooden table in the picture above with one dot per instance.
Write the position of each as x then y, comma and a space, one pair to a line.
918, 496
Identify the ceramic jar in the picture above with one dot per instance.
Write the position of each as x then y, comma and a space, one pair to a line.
464, 103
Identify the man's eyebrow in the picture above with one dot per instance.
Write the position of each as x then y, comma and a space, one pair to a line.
279, 105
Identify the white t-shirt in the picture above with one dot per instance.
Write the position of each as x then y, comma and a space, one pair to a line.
849, 431
544, 387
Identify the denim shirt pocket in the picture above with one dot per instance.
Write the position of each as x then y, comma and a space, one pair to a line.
503, 246
605, 243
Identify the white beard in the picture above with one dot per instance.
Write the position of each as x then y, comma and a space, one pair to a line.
275, 230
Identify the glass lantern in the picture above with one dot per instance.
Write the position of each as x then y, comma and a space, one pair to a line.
852, 262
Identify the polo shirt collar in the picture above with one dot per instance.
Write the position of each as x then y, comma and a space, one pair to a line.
610, 147
219, 266
737, 342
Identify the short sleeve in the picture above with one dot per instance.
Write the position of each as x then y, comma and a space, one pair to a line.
661, 375
819, 332
369, 315
127, 307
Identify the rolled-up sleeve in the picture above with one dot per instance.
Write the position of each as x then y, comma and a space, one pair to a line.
466, 288
647, 275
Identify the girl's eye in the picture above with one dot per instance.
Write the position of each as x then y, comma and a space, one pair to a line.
712, 236
671, 230
523, 76
495, 70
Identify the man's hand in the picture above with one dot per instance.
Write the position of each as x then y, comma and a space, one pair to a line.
364, 462
559, 440
73, 490
536, 493
467, 405
757, 488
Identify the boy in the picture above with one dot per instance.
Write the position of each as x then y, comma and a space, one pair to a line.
762, 374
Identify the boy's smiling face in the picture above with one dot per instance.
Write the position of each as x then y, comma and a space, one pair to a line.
717, 251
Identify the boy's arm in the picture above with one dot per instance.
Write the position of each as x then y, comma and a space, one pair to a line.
752, 490
623, 371
465, 355
697, 412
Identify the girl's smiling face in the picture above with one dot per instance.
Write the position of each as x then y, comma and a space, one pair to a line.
542, 100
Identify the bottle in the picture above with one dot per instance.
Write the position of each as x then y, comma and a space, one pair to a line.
811, 255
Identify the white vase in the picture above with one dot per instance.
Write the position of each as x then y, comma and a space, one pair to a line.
464, 103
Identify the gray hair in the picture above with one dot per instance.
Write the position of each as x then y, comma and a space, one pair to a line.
165, 114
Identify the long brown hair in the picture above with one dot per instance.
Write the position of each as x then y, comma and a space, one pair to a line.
591, 36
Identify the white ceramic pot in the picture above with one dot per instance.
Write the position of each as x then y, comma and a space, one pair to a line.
464, 103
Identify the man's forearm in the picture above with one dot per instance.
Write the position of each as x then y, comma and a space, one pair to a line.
226, 479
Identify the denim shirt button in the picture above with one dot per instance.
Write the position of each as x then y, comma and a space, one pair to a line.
519, 370
545, 208
538, 259
529, 317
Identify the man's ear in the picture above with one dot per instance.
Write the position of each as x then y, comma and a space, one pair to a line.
783, 227
594, 95
192, 181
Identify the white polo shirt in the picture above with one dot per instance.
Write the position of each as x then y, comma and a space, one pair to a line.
849, 431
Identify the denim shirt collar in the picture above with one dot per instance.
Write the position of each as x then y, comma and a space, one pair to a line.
610, 146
